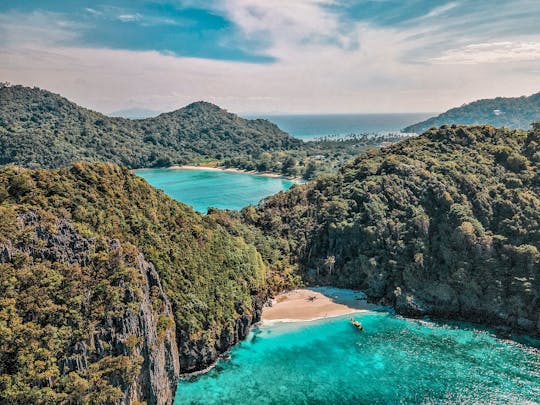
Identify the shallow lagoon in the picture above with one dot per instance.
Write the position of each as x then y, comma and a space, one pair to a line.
202, 189
393, 360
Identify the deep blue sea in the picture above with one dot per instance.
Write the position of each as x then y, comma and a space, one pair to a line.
393, 361
202, 189
314, 126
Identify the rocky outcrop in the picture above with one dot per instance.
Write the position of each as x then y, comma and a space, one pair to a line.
156, 383
195, 355
143, 331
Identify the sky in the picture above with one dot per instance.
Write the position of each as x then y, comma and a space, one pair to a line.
273, 56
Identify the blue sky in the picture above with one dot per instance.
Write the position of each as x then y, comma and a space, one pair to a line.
273, 55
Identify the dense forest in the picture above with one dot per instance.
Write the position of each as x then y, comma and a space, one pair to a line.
510, 112
39, 129
444, 224
107, 283
110, 289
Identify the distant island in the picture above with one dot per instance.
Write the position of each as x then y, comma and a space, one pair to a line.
42, 129
510, 112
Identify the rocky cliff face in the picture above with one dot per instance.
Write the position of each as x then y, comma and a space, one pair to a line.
138, 334
133, 286
196, 355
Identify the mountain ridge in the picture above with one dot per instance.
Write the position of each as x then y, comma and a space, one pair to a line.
511, 112
34, 120
444, 224
111, 289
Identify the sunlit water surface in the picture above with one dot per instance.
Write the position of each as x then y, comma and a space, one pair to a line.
393, 360
202, 189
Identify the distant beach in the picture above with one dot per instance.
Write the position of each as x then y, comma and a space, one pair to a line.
315, 303
297, 180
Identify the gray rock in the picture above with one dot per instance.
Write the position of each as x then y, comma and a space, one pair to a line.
158, 377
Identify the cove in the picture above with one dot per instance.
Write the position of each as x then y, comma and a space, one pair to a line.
394, 360
202, 188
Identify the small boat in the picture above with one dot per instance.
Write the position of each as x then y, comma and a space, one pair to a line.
357, 324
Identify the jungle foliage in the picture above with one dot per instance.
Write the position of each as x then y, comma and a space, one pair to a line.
510, 112
40, 129
209, 275
445, 223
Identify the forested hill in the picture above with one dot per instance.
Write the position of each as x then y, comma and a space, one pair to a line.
444, 224
39, 129
510, 112
110, 289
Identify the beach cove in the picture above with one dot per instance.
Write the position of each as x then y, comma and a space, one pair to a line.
315, 303
305, 350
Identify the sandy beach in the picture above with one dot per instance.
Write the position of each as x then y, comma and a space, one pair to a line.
315, 303
297, 180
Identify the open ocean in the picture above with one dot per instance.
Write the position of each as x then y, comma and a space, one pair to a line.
314, 126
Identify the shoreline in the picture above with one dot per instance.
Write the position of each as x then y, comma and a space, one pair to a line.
296, 180
315, 303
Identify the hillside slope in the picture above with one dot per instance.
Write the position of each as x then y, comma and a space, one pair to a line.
510, 112
39, 129
445, 224
110, 288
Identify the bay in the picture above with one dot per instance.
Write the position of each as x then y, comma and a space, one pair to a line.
202, 188
394, 360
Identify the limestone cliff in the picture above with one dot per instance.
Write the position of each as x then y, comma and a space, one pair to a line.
135, 338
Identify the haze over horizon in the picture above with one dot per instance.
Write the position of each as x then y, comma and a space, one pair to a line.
273, 56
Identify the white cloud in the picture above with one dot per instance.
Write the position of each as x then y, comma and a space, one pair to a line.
440, 10
129, 17
322, 65
492, 52
285, 24
39, 27
93, 11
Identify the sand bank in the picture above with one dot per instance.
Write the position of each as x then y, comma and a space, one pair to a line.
297, 180
315, 303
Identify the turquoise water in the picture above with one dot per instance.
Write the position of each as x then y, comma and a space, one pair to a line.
392, 361
204, 188
314, 126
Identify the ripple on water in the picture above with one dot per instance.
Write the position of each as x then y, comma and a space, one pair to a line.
393, 360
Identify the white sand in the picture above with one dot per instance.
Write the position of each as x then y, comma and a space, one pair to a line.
297, 180
315, 303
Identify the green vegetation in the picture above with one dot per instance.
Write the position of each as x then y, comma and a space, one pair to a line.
314, 158
53, 299
445, 224
51, 310
39, 129
512, 112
